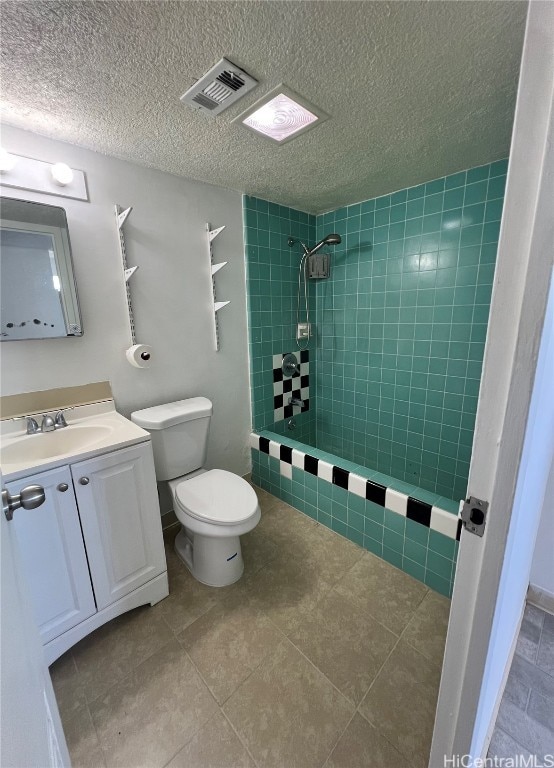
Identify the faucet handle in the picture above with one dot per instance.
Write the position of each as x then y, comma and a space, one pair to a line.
59, 420
32, 425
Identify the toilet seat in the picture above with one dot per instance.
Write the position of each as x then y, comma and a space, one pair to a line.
217, 497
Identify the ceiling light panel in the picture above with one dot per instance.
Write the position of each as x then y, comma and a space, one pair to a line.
281, 115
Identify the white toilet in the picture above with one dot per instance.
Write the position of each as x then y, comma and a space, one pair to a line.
214, 507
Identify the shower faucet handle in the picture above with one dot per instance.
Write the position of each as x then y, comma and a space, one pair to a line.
290, 365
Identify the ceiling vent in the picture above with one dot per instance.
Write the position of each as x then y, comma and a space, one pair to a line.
219, 88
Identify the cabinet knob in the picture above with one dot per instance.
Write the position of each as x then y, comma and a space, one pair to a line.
84, 481
63, 487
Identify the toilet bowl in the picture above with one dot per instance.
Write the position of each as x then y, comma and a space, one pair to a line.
214, 507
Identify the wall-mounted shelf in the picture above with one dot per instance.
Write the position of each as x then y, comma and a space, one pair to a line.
214, 269
121, 217
138, 355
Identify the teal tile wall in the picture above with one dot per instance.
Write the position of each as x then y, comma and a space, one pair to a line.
427, 555
402, 325
272, 274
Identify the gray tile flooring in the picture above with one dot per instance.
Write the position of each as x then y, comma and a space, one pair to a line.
525, 723
322, 655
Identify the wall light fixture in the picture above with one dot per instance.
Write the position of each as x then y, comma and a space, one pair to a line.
62, 174
7, 161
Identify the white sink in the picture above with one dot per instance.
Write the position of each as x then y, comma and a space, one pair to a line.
49, 445
93, 429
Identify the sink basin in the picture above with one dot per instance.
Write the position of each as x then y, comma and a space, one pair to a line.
48, 445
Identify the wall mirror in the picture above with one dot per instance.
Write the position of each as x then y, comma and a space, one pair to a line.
37, 285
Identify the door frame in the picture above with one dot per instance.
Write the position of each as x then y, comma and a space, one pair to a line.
518, 306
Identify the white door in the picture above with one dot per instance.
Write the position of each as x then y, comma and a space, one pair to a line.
31, 730
53, 554
120, 515
514, 431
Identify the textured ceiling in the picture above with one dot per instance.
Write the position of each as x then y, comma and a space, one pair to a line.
415, 90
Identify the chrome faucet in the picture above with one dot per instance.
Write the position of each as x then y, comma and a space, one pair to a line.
48, 423
296, 401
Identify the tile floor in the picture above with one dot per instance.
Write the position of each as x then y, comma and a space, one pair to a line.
525, 723
321, 655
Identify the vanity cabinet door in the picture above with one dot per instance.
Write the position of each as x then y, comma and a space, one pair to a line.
120, 515
53, 554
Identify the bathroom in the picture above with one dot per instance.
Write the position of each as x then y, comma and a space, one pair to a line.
380, 452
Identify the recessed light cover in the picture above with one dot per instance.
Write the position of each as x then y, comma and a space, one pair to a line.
281, 115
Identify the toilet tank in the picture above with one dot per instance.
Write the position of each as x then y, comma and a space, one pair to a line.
179, 433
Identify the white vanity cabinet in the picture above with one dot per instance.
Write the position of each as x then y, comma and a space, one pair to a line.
94, 548
53, 554
116, 494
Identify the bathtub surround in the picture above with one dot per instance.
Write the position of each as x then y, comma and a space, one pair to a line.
395, 362
166, 237
408, 527
272, 276
402, 327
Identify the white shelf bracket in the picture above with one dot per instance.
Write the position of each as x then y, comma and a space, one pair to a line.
213, 233
121, 217
217, 267
214, 269
129, 273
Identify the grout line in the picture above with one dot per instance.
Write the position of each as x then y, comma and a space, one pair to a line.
240, 738
99, 740
197, 731
339, 738
400, 637
220, 706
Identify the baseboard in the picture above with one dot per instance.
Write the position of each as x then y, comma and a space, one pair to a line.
541, 598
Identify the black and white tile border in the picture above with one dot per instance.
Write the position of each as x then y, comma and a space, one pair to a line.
285, 387
435, 518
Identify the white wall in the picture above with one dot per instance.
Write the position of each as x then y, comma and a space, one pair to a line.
542, 570
165, 236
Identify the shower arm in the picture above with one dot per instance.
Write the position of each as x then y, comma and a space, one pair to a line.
307, 251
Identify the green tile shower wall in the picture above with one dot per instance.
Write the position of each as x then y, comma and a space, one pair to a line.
402, 325
272, 274
421, 552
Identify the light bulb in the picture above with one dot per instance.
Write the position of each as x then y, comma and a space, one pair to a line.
62, 174
7, 161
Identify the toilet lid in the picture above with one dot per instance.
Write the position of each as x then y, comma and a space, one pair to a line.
218, 497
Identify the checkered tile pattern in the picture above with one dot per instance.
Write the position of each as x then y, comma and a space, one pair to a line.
436, 519
285, 387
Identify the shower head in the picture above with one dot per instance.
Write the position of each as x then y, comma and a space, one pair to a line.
332, 239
